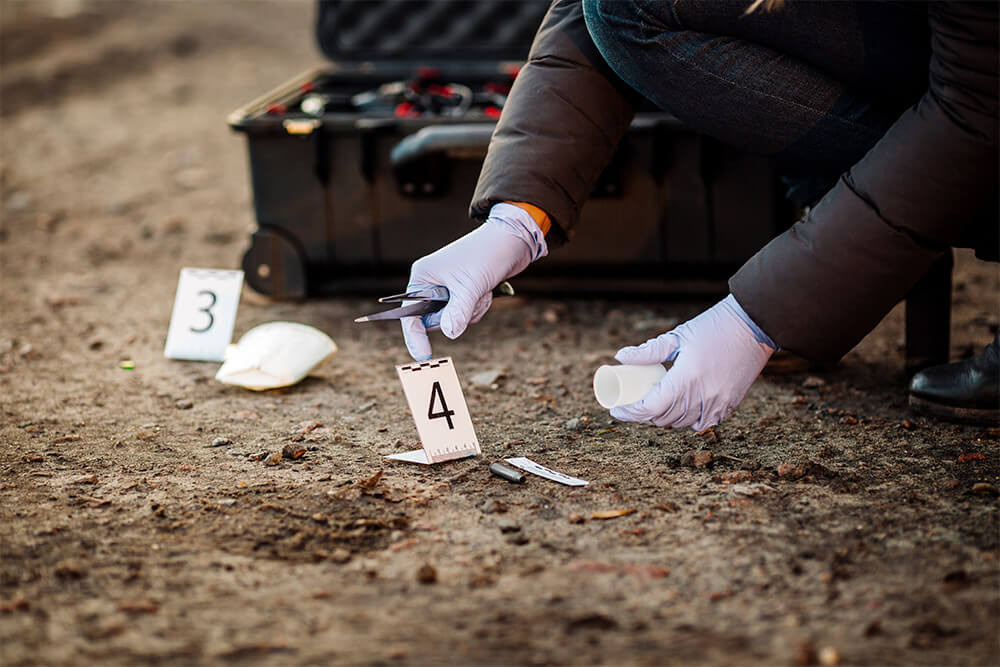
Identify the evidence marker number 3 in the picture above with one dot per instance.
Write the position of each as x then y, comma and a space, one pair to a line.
204, 314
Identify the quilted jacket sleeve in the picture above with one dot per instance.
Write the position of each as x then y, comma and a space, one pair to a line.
820, 287
565, 116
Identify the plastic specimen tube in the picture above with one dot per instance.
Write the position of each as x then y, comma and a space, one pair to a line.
626, 383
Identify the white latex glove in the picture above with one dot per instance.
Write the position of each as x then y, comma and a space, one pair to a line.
470, 268
717, 356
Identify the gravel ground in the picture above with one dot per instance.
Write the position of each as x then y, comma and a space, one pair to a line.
823, 523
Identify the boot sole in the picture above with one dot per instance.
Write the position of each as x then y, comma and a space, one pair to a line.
977, 416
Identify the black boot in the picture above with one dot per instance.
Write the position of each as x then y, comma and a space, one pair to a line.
965, 391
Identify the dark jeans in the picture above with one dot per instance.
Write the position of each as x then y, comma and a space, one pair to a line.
814, 84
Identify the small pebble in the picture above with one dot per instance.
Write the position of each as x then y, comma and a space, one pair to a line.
829, 656
235, 452
576, 518
273, 460
184, 404
70, 569
493, 506
813, 382
56, 301
701, 458
486, 378
427, 574
574, 424
750, 490
340, 555
791, 470
19, 202
226, 502
805, 653
221, 442
508, 526
292, 451
117, 207
305, 428
258, 456
47, 221
517, 538
173, 226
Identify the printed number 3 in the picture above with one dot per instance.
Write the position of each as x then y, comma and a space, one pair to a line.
445, 412
207, 310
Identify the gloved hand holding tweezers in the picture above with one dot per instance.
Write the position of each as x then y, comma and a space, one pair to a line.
469, 269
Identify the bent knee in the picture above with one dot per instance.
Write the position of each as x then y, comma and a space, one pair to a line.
612, 17
618, 28
608, 20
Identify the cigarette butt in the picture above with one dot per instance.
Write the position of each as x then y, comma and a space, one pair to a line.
509, 474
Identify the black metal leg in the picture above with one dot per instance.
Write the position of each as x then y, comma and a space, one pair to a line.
928, 317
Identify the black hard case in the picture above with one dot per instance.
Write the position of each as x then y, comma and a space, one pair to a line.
347, 200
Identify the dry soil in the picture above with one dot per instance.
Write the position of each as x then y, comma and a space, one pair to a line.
822, 522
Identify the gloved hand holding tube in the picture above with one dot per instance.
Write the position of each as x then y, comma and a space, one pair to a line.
717, 356
470, 268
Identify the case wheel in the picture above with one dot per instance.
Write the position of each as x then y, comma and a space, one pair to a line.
273, 266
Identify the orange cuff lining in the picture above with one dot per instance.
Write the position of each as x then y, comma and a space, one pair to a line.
540, 217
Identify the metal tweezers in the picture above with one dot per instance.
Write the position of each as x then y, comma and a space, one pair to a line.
429, 300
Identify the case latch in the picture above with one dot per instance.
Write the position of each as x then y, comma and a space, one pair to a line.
301, 126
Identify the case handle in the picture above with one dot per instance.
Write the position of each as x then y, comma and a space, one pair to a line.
460, 140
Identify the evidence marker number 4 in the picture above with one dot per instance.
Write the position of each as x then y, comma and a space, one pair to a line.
439, 411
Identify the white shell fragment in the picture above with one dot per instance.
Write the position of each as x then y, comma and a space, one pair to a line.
276, 354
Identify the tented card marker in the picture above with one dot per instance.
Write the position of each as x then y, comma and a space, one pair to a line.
528, 465
439, 411
201, 325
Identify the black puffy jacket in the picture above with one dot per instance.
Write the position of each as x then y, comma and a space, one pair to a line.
931, 182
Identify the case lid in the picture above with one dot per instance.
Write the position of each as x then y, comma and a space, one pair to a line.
424, 31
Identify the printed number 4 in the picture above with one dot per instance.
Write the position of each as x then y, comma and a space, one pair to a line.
445, 412
207, 310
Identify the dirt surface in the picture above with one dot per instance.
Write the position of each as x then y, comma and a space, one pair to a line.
822, 523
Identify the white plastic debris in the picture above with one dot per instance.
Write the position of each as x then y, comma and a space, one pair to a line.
276, 354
